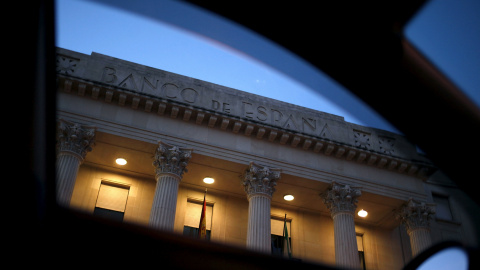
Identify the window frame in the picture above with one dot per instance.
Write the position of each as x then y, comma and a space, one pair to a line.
110, 213
439, 200
200, 202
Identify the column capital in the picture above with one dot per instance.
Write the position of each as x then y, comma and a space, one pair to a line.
260, 180
341, 198
74, 138
171, 159
416, 214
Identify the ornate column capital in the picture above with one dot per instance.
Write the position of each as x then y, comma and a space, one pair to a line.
171, 159
416, 215
74, 138
341, 198
260, 180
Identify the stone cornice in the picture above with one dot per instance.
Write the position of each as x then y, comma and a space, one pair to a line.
252, 115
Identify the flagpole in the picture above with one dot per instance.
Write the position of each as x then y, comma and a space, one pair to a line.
286, 241
202, 226
283, 236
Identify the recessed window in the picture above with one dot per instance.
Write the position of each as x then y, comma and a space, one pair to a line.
361, 251
192, 218
111, 201
279, 241
442, 208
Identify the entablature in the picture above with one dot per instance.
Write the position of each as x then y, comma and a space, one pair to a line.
126, 84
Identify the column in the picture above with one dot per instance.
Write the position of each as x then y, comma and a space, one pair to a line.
341, 200
415, 216
170, 163
73, 143
259, 183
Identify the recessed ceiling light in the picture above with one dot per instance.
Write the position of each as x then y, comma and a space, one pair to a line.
208, 180
362, 213
121, 161
288, 197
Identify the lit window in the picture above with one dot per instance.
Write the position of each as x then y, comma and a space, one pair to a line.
279, 247
361, 252
111, 201
192, 218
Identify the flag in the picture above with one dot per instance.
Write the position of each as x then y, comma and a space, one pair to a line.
286, 240
202, 227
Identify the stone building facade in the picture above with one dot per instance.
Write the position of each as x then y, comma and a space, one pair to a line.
173, 131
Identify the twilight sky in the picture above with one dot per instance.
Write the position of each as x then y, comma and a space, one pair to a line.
447, 31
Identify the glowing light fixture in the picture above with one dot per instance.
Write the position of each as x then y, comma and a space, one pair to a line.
288, 197
121, 161
362, 213
208, 180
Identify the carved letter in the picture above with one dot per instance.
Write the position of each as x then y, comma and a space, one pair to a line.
263, 111
170, 90
149, 84
109, 75
189, 95
128, 82
290, 124
276, 119
311, 123
215, 104
247, 114
225, 109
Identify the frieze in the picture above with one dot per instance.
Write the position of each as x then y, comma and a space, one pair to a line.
209, 99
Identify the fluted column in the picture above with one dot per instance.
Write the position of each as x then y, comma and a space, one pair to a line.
73, 143
170, 163
341, 200
415, 216
259, 183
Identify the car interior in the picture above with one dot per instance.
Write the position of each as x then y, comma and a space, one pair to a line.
359, 44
